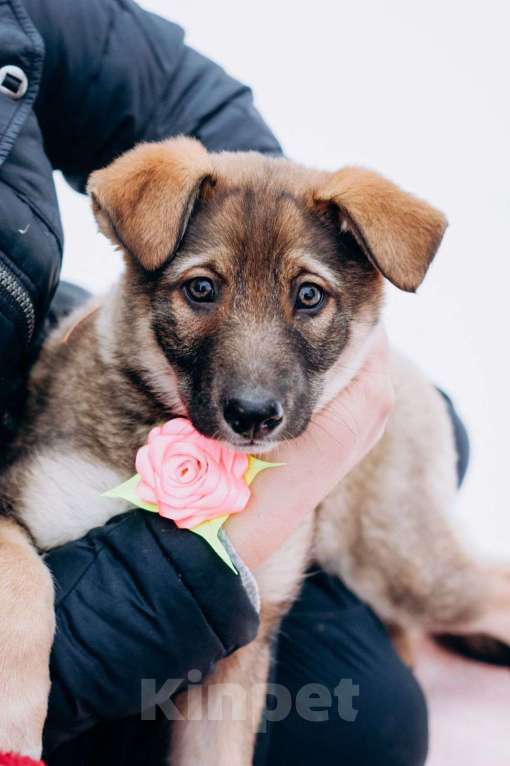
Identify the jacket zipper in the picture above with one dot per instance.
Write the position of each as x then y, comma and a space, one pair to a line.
20, 295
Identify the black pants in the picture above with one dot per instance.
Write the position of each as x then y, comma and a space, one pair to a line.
349, 700
363, 708
335, 644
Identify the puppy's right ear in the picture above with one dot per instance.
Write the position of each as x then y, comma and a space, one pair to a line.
396, 231
144, 199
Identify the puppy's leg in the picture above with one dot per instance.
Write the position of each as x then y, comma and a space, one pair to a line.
26, 635
492, 616
220, 717
228, 707
398, 552
485, 636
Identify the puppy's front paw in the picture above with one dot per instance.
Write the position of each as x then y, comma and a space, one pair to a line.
22, 714
20, 748
26, 635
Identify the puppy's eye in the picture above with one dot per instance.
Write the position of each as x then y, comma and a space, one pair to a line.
309, 297
200, 290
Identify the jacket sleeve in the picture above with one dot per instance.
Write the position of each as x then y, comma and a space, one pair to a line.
115, 74
137, 599
30, 230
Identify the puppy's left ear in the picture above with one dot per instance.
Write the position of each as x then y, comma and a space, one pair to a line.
397, 232
144, 199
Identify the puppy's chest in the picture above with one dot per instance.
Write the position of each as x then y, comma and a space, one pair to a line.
60, 494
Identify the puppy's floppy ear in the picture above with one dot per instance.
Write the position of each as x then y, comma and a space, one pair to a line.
144, 199
396, 231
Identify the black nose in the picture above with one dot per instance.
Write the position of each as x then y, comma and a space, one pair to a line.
253, 418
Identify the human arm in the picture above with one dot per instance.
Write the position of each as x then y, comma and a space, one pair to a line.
115, 74
137, 599
337, 438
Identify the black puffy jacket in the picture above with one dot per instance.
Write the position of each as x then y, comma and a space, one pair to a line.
80, 82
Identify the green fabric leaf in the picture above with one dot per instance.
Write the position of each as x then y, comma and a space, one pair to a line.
209, 531
127, 491
255, 466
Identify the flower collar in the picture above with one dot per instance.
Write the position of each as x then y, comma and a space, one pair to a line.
192, 480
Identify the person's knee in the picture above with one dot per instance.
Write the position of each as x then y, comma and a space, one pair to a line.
381, 718
368, 707
396, 726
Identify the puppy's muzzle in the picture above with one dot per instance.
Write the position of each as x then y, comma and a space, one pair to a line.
253, 419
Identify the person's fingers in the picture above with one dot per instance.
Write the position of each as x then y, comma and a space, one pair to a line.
374, 388
357, 415
378, 352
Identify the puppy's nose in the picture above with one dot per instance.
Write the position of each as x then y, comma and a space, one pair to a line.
253, 418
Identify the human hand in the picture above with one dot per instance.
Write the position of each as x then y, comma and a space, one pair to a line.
336, 440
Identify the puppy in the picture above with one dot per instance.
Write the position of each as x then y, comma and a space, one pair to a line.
252, 286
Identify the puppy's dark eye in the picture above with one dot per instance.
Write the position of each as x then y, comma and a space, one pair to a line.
309, 297
200, 290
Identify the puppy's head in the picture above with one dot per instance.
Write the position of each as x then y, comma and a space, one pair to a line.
258, 279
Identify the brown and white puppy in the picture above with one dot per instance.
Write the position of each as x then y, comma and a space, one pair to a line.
251, 288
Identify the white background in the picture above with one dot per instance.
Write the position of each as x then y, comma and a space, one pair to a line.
419, 91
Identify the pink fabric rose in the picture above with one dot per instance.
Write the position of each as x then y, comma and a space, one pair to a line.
189, 477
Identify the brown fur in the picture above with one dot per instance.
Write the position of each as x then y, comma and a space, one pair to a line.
257, 228
142, 200
26, 635
365, 203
